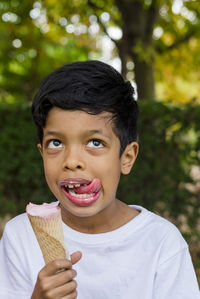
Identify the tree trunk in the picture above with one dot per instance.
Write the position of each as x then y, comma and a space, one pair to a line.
137, 43
144, 77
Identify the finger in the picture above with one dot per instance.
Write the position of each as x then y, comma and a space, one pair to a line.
54, 266
75, 257
73, 295
59, 279
62, 291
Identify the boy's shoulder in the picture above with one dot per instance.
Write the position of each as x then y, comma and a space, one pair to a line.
18, 220
161, 233
17, 226
151, 219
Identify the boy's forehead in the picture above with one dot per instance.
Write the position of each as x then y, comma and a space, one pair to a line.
60, 117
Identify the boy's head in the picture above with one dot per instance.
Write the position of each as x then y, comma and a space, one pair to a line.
93, 87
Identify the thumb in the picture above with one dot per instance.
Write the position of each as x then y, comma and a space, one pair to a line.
75, 257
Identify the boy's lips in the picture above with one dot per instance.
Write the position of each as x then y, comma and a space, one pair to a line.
81, 192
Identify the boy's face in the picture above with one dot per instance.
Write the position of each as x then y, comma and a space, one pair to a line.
81, 161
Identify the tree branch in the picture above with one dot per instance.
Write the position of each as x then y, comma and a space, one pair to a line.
96, 7
105, 30
181, 41
163, 48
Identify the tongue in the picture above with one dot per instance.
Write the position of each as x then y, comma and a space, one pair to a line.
93, 187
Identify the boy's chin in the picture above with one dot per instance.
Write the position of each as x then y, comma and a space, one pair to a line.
80, 211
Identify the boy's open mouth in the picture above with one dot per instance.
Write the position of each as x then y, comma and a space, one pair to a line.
81, 192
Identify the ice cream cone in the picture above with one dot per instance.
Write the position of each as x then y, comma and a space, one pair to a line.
49, 233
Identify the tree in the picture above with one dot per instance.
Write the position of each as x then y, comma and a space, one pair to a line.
150, 28
38, 36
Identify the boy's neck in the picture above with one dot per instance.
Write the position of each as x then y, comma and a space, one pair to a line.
107, 220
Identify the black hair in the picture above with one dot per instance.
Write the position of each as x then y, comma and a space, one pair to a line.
90, 86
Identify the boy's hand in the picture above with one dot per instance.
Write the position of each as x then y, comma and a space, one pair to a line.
61, 285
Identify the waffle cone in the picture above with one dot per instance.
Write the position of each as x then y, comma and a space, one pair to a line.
49, 234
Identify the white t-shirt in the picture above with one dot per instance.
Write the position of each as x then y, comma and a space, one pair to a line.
147, 258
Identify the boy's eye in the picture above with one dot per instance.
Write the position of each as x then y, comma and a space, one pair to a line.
55, 144
95, 143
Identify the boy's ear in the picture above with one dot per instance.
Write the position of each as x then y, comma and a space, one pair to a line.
39, 146
128, 157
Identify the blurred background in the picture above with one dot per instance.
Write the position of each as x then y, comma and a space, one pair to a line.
153, 43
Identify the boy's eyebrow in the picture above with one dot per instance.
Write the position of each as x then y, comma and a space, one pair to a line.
89, 132
92, 132
54, 133
95, 132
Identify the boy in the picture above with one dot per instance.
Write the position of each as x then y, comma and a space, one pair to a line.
86, 118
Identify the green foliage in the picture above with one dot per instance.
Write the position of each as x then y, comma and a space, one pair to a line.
39, 36
21, 174
160, 180
33, 43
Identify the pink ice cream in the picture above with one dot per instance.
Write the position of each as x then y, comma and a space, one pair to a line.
45, 210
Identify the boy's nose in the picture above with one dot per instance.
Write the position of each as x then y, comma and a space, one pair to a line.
73, 161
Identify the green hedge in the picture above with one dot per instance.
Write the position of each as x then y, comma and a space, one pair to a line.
169, 140
21, 172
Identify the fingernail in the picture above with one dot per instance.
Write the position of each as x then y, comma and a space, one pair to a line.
74, 272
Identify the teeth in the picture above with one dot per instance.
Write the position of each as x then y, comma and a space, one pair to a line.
81, 195
69, 186
77, 185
